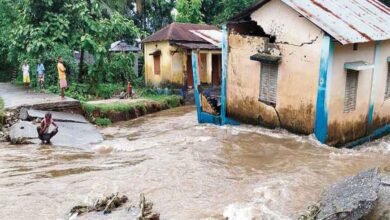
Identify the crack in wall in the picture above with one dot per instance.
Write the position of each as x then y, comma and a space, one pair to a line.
277, 115
298, 45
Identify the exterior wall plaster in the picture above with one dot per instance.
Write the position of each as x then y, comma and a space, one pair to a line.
299, 43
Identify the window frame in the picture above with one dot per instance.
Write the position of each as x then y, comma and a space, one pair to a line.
269, 66
155, 58
347, 108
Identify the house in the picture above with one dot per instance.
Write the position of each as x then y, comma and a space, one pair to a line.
309, 66
122, 47
168, 55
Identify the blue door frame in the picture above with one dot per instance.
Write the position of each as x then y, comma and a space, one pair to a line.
204, 117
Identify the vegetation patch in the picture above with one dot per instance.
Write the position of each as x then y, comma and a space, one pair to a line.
102, 113
103, 121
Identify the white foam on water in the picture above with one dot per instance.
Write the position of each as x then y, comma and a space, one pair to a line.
266, 204
238, 211
379, 146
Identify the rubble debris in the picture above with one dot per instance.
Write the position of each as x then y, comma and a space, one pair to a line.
311, 213
146, 210
105, 205
365, 195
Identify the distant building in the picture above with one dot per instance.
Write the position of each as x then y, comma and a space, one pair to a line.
122, 47
168, 55
310, 67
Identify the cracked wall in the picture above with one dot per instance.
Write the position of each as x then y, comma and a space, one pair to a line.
299, 43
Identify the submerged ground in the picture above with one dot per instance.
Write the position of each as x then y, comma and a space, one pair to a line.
190, 171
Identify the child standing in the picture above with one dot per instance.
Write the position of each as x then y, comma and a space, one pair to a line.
26, 74
41, 73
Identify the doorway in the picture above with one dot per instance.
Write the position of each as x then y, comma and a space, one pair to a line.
190, 76
216, 69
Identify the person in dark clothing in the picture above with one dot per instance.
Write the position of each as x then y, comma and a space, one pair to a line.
43, 131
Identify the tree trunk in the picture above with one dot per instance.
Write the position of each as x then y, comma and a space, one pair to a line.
139, 4
81, 66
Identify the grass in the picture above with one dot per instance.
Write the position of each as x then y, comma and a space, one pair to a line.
98, 113
103, 121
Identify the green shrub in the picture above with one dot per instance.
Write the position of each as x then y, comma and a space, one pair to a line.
103, 121
107, 91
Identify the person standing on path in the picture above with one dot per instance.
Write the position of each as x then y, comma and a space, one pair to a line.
62, 76
41, 73
26, 74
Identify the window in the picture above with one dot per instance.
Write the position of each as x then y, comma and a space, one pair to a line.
268, 82
351, 91
355, 46
387, 95
157, 69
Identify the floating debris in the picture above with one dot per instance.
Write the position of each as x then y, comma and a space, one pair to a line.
311, 213
105, 205
146, 210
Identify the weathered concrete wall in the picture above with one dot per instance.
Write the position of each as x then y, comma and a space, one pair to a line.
151, 78
299, 43
203, 69
345, 127
381, 105
178, 66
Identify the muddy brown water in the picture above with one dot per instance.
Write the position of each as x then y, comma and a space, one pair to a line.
190, 171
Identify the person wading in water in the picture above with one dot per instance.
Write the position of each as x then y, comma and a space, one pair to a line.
43, 131
62, 76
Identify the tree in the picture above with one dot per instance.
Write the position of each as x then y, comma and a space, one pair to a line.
189, 11
386, 2
47, 29
231, 8
148, 15
210, 9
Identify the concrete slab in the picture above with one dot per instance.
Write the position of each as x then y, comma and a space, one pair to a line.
57, 116
77, 135
22, 132
17, 97
351, 198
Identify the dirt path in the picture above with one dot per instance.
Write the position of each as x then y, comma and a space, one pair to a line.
16, 97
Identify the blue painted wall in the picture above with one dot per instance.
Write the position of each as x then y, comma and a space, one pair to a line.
375, 73
196, 91
224, 72
321, 121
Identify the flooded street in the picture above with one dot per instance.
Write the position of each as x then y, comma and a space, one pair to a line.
189, 171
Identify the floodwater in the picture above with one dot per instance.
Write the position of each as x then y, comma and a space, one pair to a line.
189, 171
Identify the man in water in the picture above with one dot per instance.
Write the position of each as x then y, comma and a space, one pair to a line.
43, 130
62, 76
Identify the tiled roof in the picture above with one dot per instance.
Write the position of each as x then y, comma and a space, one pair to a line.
179, 32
